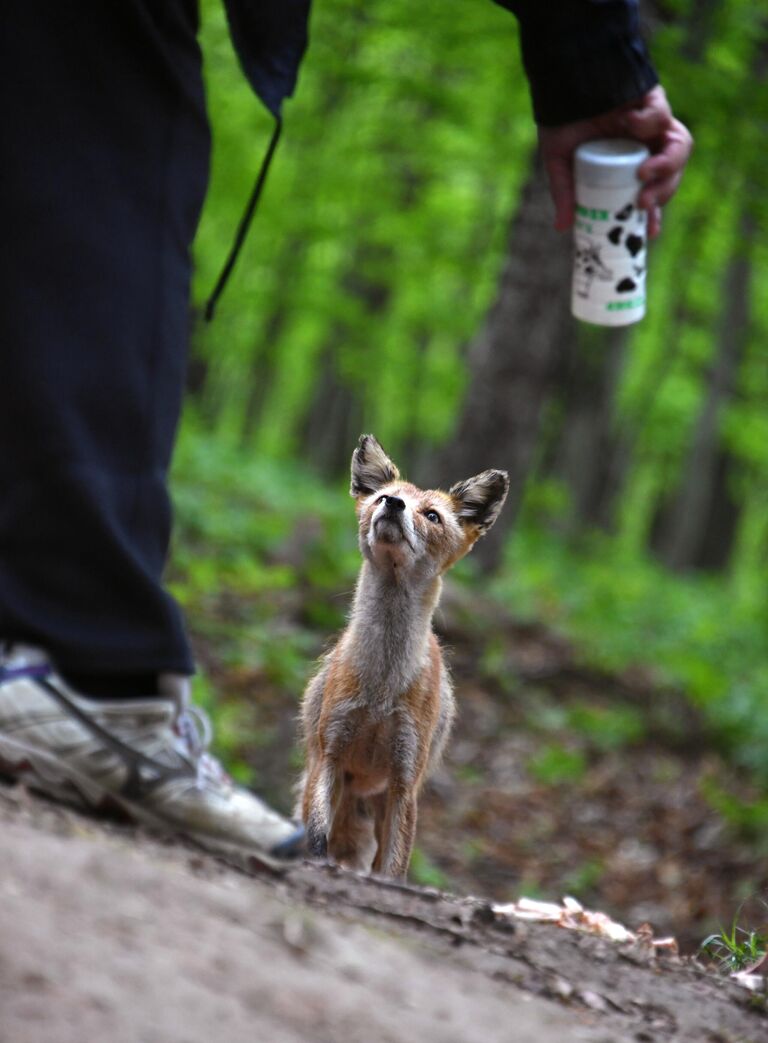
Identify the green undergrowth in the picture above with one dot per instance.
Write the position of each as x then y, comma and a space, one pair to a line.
706, 636
265, 558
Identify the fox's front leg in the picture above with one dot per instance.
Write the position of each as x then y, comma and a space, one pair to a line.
317, 806
395, 831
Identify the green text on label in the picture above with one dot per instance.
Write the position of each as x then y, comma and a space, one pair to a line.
590, 212
634, 302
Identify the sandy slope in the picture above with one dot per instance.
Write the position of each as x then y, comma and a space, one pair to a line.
108, 934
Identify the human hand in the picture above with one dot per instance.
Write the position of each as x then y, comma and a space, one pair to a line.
649, 120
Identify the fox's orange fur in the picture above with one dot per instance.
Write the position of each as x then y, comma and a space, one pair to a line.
377, 714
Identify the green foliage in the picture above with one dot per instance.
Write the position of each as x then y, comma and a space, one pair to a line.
603, 726
622, 609
584, 878
380, 234
747, 813
256, 542
735, 949
555, 765
423, 871
607, 727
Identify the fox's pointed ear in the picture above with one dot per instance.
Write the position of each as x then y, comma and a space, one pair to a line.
371, 468
478, 500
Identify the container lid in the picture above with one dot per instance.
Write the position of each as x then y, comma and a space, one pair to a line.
609, 162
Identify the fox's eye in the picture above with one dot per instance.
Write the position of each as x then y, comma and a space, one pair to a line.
381, 499
433, 516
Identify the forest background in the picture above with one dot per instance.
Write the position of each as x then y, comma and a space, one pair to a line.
402, 277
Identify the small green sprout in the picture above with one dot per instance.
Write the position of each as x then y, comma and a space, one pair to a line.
736, 949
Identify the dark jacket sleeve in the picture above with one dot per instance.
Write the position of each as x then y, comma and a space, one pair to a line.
270, 37
582, 57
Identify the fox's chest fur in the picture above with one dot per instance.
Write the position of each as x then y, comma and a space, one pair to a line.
389, 642
377, 717
376, 702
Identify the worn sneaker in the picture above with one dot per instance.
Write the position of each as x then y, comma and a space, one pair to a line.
148, 756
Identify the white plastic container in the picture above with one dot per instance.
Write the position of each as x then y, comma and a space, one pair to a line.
609, 233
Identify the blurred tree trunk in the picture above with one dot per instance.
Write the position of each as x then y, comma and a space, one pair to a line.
590, 457
335, 416
335, 419
262, 366
515, 360
697, 528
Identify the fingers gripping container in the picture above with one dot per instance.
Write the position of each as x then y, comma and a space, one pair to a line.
609, 234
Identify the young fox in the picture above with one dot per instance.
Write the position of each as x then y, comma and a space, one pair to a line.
376, 716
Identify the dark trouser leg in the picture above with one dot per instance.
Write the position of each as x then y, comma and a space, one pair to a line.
103, 168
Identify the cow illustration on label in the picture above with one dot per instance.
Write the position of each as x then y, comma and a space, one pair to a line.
588, 265
610, 232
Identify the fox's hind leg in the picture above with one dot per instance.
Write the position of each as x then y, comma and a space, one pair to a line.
395, 832
352, 843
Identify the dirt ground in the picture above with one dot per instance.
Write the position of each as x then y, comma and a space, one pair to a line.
108, 933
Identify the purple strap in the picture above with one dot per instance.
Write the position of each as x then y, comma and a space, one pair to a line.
34, 670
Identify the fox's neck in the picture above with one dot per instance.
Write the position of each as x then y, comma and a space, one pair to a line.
387, 639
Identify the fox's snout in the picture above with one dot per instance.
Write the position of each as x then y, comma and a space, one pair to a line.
387, 531
390, 514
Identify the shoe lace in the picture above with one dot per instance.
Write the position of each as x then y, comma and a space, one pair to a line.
195, 731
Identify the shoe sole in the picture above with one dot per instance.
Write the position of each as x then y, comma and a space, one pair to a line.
45, 773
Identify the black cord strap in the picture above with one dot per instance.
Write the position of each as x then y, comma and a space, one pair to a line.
245, 221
